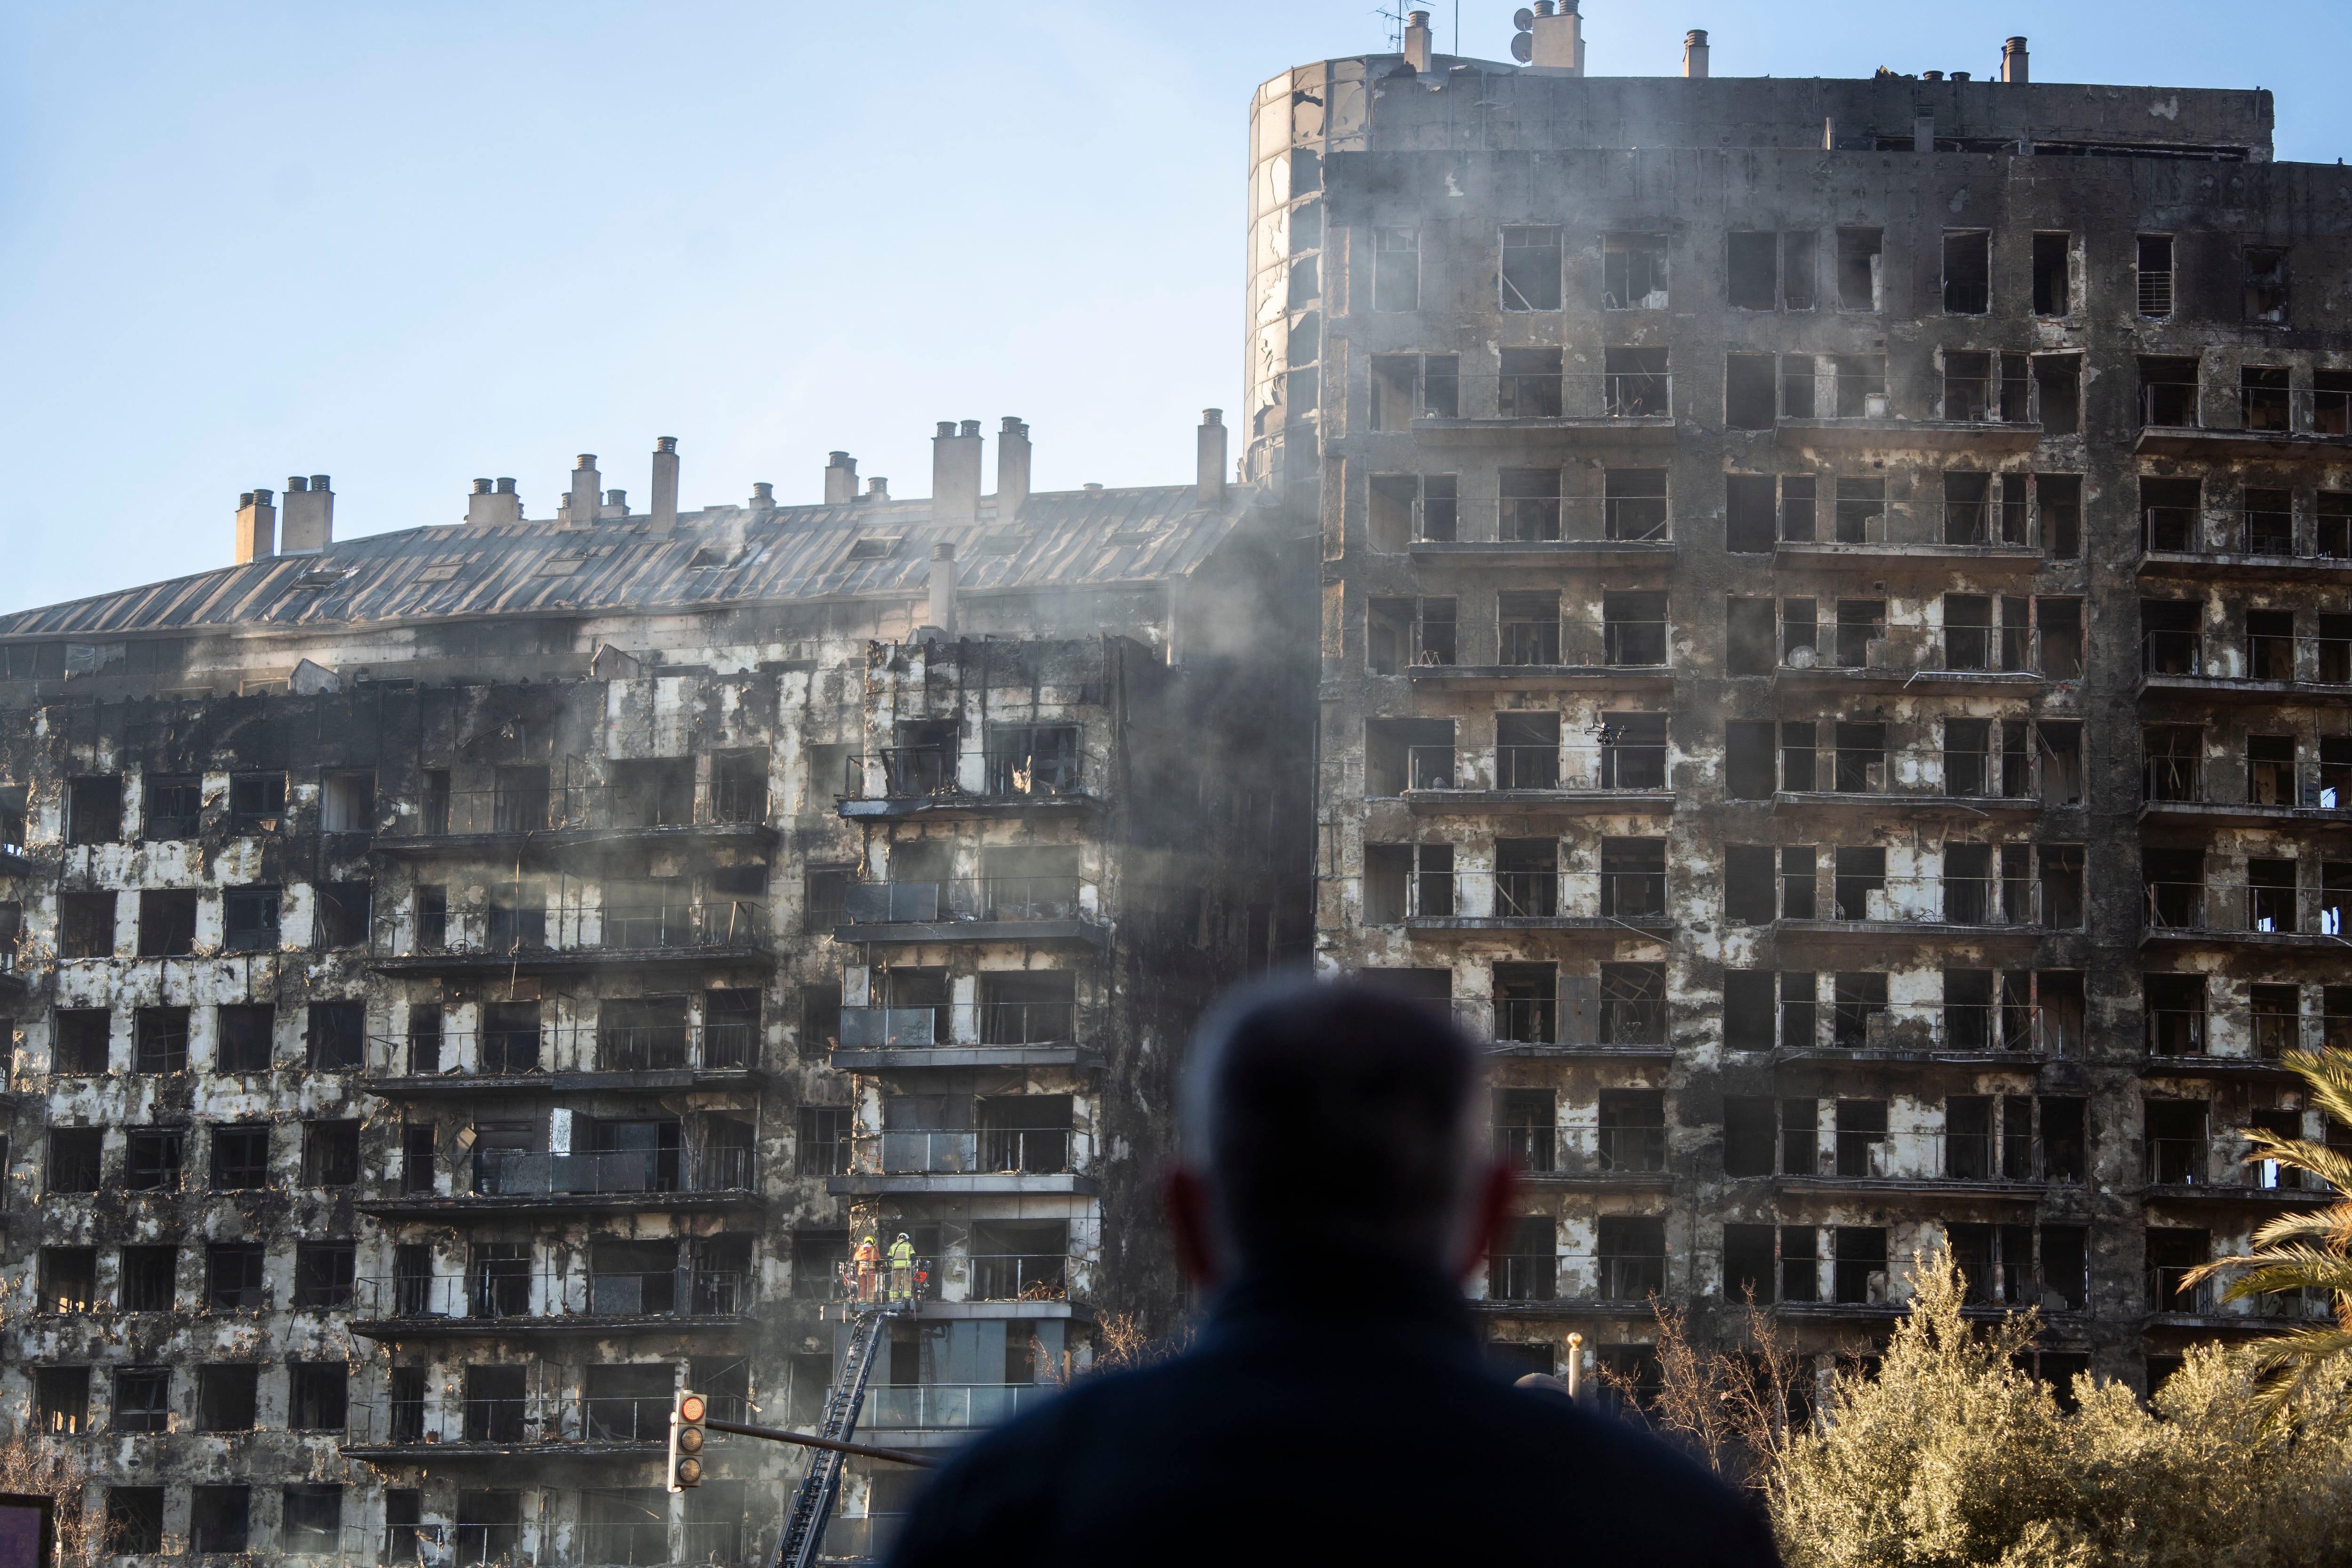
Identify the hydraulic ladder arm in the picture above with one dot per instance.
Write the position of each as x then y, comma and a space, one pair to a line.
813, 1504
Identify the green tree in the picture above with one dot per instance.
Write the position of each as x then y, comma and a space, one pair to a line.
2309, 1252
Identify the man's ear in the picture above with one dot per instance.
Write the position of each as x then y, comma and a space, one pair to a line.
1186, 1195
1494, 1207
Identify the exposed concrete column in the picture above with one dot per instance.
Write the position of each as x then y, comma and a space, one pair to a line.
1012, 468
257, 527
955, 472
840, 478
1695, 54
664, 517
309, 525
1209, 470
1416, 39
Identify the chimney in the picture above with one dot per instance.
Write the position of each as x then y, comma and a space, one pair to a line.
487, 507
764, 496
257, 527
1559, 37
616, 504
2012, 62
1209, 468
310, 522
1695, 54
664, 519
840, 478
1416, 39
944, 588
584, 492
955, 472
1012, 468
877, 488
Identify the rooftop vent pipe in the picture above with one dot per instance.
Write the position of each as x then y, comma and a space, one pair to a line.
2012, 62
1209, 464
257, 527
309, 525
1695, 54
1012, 468
840, 478
663, 518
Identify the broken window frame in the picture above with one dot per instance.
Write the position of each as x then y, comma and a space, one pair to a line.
2157, 284
2267, 288
1620, 273
1433, 510
1531, 272
1795, 252
2059, 302
1868, 248
1396, 283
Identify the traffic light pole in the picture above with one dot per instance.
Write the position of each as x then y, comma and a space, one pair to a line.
775, 1434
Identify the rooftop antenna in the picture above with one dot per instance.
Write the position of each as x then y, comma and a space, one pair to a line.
1394, 17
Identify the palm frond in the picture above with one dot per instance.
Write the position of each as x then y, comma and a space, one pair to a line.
2330, 1228
2330, 1074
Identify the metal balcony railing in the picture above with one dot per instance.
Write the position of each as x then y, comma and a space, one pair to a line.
1529, 1277
2311, 786
2323, 661
2240, 909
1621, 1021
1535, 895
1989, 1157
1545, 519
630, 1419
522, 1293
951, 1406
1551, 394
639, 928
970, 899
997, 1150
2169, 1290
502, 1172
1989, 901
1017, 1276
1002, 772
524, 1052
966, 1024
2004, 399
1629, 765
1866, 520
2016, 1287
1582, 1151
1982, 774
2169, 405
2220, 1162
562, 807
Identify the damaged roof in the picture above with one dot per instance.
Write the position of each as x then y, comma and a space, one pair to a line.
719, 557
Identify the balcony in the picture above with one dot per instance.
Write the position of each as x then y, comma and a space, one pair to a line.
2251, 915
550, 815
1874, 655
987, 1034
2286, 665
2215, 1168
2185, 788
1873, 907
1576, 1156
998, 780
1606, 905
983, 1160
2179, 1043
1553, 1284
661, 1056
959, 1407
2267, 544
1548, 528
1982, 412
1971, 1035
540, 1429
527, 1182
1617, 655
2172, 1300
502, 1304
1931, 1158
630, 936
1625, 1027
983, 909
1597, 408
2272, 422
1622, 778
1991, 534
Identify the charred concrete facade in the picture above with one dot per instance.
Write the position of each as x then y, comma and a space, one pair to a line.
1834, 658
469, 983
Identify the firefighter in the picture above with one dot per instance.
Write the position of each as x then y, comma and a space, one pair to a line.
902, 1269
868, 1258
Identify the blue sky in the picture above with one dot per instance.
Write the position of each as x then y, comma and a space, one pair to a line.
408, 244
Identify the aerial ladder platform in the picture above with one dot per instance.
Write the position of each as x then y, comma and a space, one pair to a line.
812, 1503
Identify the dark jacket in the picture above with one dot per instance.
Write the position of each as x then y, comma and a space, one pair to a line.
1343, 1417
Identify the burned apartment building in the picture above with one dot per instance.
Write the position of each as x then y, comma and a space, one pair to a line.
1836, 659
467, 984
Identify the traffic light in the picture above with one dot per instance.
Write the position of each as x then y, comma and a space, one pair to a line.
686, 1437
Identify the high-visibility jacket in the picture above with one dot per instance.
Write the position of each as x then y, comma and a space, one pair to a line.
867, 1252
902, 1255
